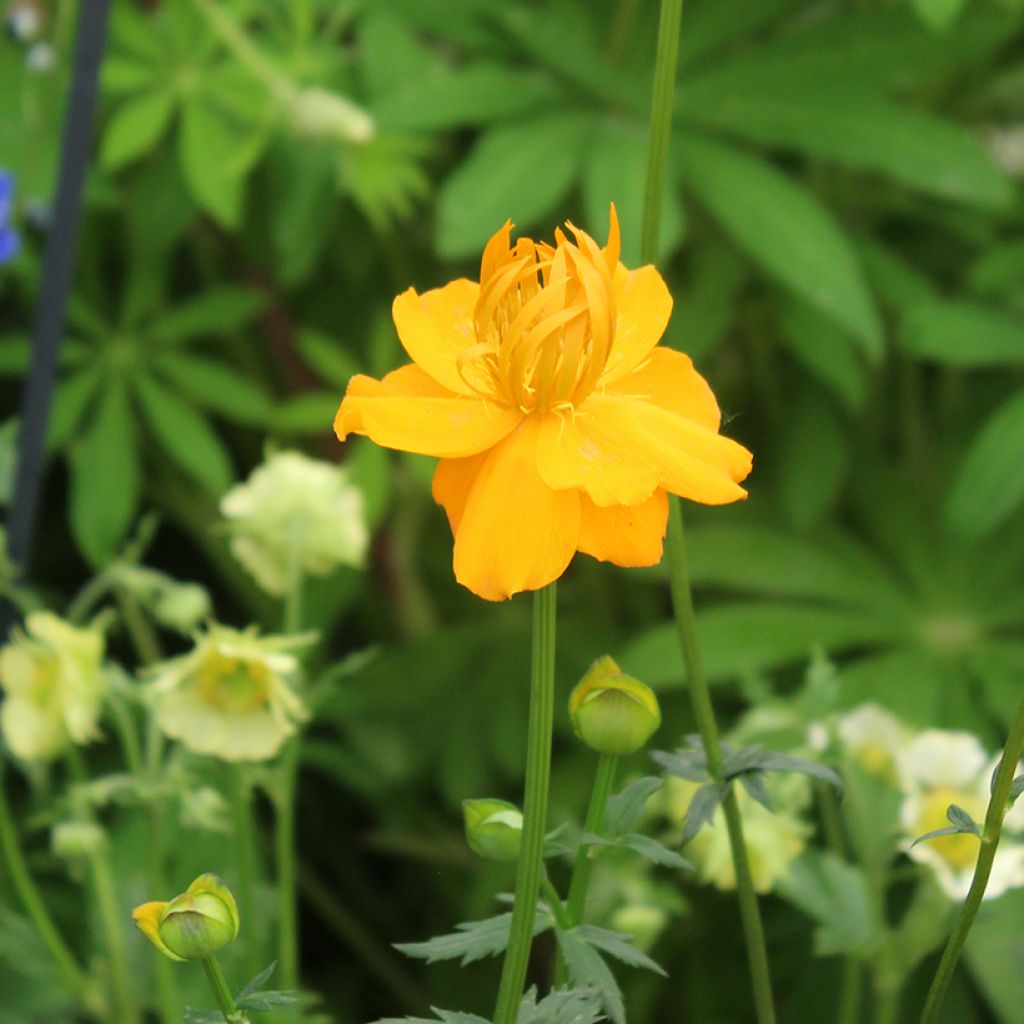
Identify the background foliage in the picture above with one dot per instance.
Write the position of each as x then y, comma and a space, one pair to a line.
844, 238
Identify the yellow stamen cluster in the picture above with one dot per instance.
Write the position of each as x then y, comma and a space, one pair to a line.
544, 321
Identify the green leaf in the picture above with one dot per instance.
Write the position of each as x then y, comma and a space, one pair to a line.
70, 401
924, 926
215, 385
702, 808
625, 808
521, 171
748, 637
104, 478
586, 968
185, 436
473, 940
960, 823
841, 123
836, 895
785, 229
220, 310
563, 1006
14, 354
989, 484
617, 944
136, 128
647, 847
386, 177
899, 283
994, 952
257, 982
327, 357
1000, 271
753, 760
964, 334
939, 14
310, 413
709, 300
615, 168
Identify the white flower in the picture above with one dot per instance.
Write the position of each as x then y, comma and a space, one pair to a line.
873, 737
295, 504
53, 677
937, 769
230, 696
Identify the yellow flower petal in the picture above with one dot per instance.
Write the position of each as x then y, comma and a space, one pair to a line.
453, 479
627, 535
436, 326
667, 378
643, 304
410, 411
515, 533
147, 920
618, 432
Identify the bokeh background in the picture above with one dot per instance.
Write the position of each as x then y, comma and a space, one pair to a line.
843, 235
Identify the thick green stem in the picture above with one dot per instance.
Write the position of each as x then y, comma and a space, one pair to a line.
700, 697
850, 993
221, 992
32, 902
997, 806
604, 779
535, 807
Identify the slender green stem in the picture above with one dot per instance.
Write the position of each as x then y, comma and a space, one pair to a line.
887, 1004
244, 840
87, 598
850, 995
221, 992
557, 906
284, 823
112, 915
661, 125
32, 902
535, 807
140, 629
604, 779
997, 806
700, 697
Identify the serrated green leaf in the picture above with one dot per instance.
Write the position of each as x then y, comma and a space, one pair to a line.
989, 483
618, 945
785, 229
647, 847
691, 765
267, 999
702, 808
753, 760
104, 478
473, 940
257, 982
219, 310
964, 334
587, 968
562, 1006
753, 783
216, 386
626, 807
519, 171
136, 127
185, 436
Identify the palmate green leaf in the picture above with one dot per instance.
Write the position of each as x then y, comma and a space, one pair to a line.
185, 436
785, 229
711, 26
216, 386
747, 637
218, 310
899, 283
989, 483
105, 477
618, 945
136, 127
386, 177
836, 895
826, 351
626, 807
702, 808
327, 357
70, 401
588, 969
473, 940
839, 122
614, 172
520, 171
964, 334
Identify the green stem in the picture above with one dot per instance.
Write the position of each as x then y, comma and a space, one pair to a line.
700, 697
140, 629
221, 992
535, 807
87, 598
850, 993
986, 856
887, 1004
557, 906
661, 125
244, 838
32, 902
111, 915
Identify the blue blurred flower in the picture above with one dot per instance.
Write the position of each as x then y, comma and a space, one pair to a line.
10, 241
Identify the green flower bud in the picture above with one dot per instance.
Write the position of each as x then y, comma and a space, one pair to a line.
194, 925
494, 828
76, 839
613, 713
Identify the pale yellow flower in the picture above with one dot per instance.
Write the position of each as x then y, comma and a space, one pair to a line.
230, 696
873, 737
52, 675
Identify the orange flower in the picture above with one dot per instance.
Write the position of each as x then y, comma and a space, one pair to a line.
559, 424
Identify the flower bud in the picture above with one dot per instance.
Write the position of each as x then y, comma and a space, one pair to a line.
613, 713
75, 839
494, 828
194, 925
322, 114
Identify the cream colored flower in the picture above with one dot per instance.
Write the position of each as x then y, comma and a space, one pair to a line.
873, 737
937, 769
52, 674
295, 503
230, 696
774, 838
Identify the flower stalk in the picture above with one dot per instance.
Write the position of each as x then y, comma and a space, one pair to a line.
219, 985
535, 807
990, 833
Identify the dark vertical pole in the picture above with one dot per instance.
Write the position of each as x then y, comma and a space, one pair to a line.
56, 281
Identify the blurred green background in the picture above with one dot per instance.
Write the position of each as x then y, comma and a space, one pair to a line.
844, 238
